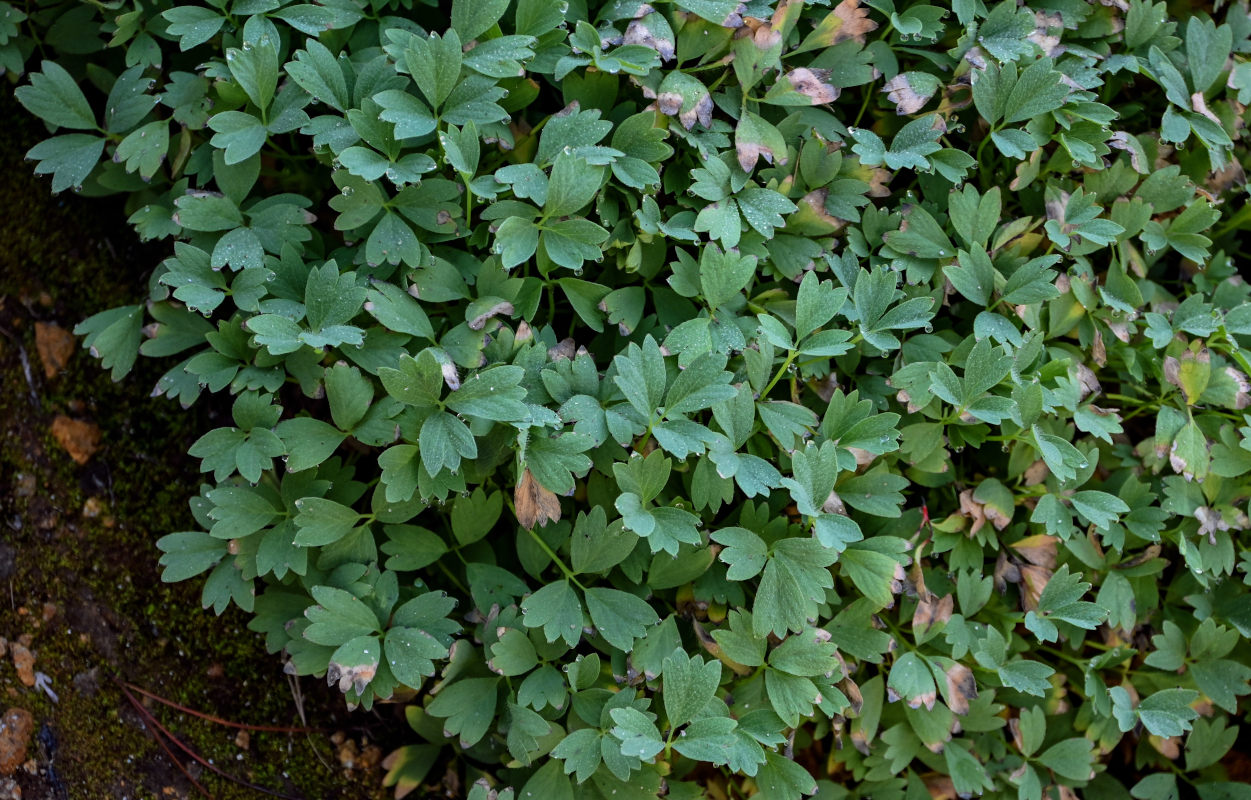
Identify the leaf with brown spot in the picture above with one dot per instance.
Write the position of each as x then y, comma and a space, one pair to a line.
847, 21
1122, 140
931, 611
812, 218
785, 16
685, 97
910, 91
535, 505
756, 138
813, 84
960, 687
654, 31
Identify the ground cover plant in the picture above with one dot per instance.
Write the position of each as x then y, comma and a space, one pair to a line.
703, 398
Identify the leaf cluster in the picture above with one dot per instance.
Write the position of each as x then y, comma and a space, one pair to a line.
703, 398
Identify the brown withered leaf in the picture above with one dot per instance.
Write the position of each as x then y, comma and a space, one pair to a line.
854, 696
535, 504
940, 787
1224, 179
1151, 552
713, 649
1006, 571
961, 687
1036, 473
762, 33
1033, 580
973, 511
1099, 351
1039, 549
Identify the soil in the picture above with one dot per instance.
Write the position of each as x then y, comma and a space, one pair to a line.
92, 473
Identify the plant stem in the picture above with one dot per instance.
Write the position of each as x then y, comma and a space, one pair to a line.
546, 548
790, 359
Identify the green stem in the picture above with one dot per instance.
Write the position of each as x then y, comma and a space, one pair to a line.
790, 359
452, 577
546, 548
1235, 352
465, 178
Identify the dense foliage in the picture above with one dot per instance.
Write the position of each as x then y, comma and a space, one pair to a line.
699, 397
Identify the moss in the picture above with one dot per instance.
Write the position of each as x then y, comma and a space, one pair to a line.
62, 258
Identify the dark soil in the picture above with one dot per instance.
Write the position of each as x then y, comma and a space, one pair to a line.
78, 564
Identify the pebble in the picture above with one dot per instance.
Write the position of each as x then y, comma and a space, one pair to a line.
55, 346
15, 730
78, 438
24, 663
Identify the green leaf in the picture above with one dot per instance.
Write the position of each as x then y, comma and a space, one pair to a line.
793, 584
193, 25
321, 521
555, 608
1168, 712
973, 275
468, 708
1027, 676
1060, 600
689, 684
1072, 758
472, 18
69, 158
144, 150
620, 617
317, 71
309, 441
54, 96
411, 117
338, 617
572, 185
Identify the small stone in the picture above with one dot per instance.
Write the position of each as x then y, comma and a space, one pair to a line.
9, 790
87, 683
242, 740
93, 507
49, 611
55, 346
24, 663
25, 484
370, 757
349, 755
79, 438
15, 730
